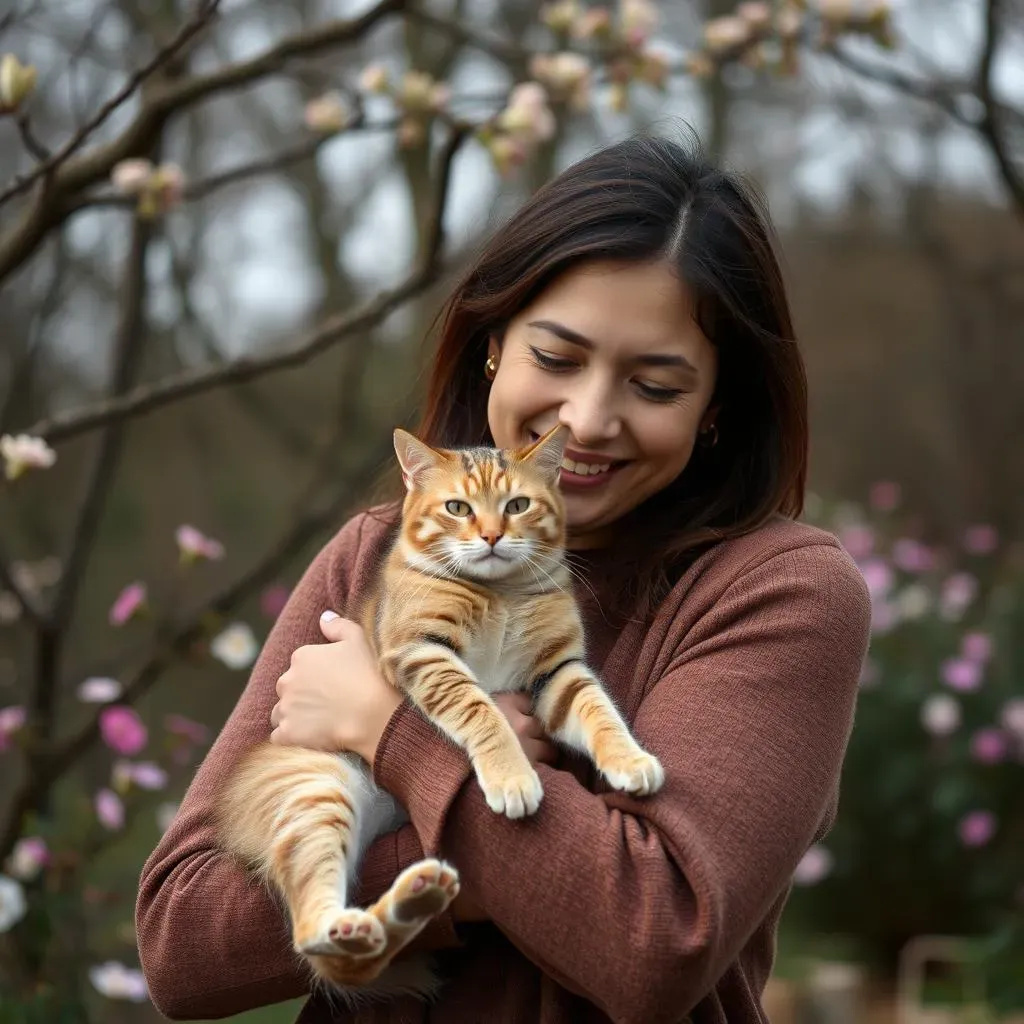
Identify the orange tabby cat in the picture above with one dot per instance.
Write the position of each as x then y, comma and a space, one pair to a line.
474, 599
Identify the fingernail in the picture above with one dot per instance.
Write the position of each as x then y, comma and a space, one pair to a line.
328, 615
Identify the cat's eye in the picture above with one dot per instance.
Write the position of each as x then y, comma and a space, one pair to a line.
458, 508
517, 505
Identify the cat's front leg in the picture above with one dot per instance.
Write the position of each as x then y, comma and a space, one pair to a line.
575, 710
440, 683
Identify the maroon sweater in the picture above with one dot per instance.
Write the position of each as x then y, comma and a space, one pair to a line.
603, 907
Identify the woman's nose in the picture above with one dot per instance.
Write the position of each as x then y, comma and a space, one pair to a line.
591, 413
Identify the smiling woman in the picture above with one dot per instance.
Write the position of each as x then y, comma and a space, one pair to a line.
637, 301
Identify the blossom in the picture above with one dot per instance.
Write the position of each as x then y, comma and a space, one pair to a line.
328, 113
420, 93
756, 13
566, 74
912, 556
194, 732
127, 604
195, 545
592, 23
236, 646
29, 856
23, 451
115, 981
144, 774
273, 600
12, 720
1012, 717
560, 16
12, 903
17, 81
977, 828
878, 576
814, 867
131, 176
527, 114
961, 675
958, 591
940, 715
727, 33
109, 809
989, 746
98, 690
122, 730
638, 19
858, 539
976, 647
374, 78
913, 601
980, 539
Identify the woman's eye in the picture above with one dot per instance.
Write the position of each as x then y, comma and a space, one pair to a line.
549, 362
458, 508
517, 505
657, 394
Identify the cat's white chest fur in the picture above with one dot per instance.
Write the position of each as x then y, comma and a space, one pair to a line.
499, 655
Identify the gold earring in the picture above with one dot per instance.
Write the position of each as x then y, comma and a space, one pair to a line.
491, 368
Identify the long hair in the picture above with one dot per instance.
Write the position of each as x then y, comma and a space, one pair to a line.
641, 200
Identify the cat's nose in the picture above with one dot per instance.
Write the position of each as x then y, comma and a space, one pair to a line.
492, 536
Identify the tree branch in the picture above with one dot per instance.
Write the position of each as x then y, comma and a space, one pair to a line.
335, 329
990, 127
203, 14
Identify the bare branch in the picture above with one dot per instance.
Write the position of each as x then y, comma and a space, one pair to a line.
29, 608
990, 127
203, 14
193, 382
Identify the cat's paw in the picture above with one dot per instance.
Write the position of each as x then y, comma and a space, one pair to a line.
514, 794
353, 933
423, 890
639, 773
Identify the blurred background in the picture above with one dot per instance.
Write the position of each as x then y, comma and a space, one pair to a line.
225, 229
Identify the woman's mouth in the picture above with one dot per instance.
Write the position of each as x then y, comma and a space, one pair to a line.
579, 473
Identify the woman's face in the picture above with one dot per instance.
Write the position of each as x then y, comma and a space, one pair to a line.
611, 350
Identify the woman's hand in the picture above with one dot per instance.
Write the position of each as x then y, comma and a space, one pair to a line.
517, 708
333, 696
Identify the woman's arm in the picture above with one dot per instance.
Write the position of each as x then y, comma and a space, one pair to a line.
213, 941
641, 905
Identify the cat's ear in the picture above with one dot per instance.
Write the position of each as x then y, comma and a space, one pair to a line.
414, 457
546, 452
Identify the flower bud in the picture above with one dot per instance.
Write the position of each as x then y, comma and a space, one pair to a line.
17, 81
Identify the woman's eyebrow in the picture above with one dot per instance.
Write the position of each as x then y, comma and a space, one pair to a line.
575, 338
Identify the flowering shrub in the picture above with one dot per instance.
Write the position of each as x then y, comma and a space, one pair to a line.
931, 816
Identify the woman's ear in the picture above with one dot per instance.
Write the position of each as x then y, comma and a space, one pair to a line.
710, 417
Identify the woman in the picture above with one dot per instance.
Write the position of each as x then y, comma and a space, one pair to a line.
636, 299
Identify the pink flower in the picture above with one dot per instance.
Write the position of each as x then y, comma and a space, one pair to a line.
989, 746
980, 539
128, 604
858, 539
195, 545
877, 575
885, 495
194, 732
976, 647
977, 828
12, 720
912, 556
273, 600
814, 867
144, 774
122, 730
958, 591
29, 856
109, 810
961, 675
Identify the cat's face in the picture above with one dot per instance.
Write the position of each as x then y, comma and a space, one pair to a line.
483, 513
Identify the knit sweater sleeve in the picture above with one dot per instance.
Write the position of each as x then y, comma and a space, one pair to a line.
213, 941
640, 905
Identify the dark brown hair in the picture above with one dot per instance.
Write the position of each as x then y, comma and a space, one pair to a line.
640, 200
